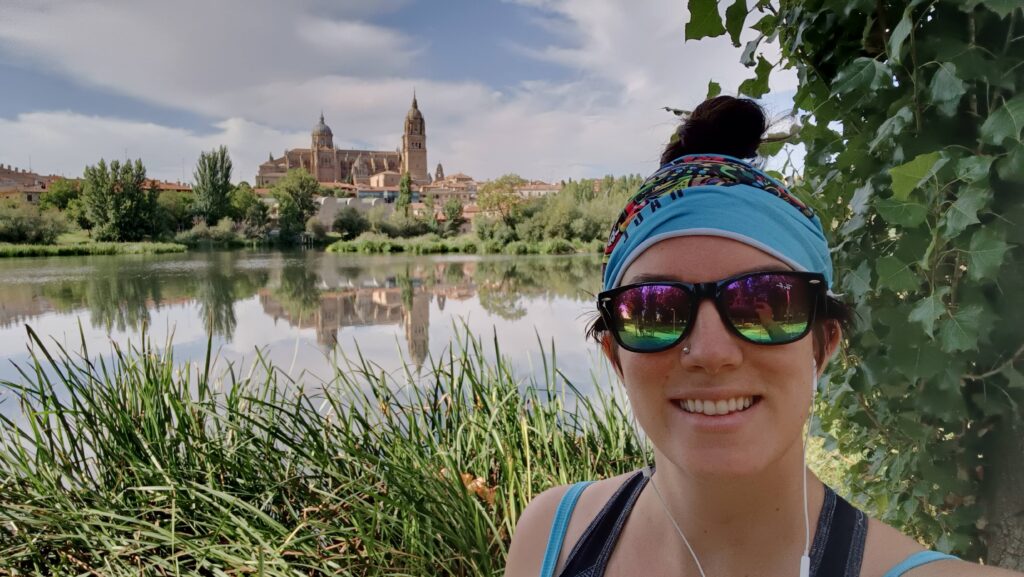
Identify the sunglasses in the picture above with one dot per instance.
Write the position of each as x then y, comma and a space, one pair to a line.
764, 308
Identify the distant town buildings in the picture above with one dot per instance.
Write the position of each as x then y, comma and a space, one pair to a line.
23, 185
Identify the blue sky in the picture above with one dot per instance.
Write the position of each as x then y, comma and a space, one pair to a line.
548, 89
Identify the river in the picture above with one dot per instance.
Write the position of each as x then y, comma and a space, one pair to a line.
300, 310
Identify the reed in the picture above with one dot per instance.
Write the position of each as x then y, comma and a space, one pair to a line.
135, 463
98, 248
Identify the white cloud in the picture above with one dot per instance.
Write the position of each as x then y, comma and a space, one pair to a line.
268, 67
65, 142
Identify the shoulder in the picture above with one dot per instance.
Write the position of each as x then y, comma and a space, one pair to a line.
886, 547
526, 553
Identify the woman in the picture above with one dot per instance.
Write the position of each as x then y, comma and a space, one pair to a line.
717, 316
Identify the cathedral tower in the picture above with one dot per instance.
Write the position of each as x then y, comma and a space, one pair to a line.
414, 145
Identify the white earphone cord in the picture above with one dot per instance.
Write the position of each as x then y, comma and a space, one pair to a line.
805, 559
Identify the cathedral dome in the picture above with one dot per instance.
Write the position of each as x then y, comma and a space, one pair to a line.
321, 129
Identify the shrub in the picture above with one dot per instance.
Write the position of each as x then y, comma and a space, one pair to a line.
316, 229
22, 223
557, 246
350, 223
517, 247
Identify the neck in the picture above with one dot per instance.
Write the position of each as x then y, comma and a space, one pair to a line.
738, 524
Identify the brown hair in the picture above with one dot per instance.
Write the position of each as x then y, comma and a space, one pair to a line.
719, 125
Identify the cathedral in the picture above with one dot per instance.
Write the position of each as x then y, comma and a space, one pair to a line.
330, 165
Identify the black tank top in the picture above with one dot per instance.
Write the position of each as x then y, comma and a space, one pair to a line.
837, 550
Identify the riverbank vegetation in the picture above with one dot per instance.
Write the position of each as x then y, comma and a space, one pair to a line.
137, 461
89, 248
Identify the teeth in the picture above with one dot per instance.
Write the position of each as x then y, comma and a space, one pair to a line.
712, 408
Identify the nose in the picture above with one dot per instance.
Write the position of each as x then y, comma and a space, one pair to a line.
712, 348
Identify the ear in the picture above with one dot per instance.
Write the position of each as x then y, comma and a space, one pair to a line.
833, 335
611, 352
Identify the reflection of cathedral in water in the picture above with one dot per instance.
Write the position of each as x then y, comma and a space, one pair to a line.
355, 307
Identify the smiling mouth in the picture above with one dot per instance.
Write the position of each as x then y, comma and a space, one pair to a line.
719, 407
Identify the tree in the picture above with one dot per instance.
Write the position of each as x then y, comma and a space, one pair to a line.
502, 196
453, 216
911, 117
295, 193
404, 194
117, 202
59, 194
212, 185
176, 210
350, 223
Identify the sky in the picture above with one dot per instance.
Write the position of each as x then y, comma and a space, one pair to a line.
547, 89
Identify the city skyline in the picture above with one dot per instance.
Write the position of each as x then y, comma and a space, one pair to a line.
549, 89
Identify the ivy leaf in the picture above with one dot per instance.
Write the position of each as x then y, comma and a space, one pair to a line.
735, 16
929, 310
895, 275
964, 212
1010, 168
766, 25
863, 74
858, 282
705, 22
986, 253
946, 89
1006, 122
900, 33
908, 214
892, 127
909, 176
747, 57
714, 89
757, 86
973, 168
960, 331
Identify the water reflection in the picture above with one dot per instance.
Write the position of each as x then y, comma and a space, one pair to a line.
222, 294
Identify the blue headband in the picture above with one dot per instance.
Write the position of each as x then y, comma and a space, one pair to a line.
717, 195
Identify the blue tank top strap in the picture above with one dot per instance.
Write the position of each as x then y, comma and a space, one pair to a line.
916, 560
559, 526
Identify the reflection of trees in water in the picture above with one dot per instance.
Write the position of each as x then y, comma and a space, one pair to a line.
501, 284
221, 284
121, 299
298, 291
119, 294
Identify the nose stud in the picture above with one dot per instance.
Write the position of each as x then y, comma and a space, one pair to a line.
686, 350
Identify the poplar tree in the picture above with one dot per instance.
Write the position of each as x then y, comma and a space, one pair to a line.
212, 188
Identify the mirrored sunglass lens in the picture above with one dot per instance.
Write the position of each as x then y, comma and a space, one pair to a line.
770, 308
651, 316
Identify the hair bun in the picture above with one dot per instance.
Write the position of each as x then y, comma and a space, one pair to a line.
719, 125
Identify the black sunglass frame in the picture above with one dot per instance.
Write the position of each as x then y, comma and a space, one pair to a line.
698, 292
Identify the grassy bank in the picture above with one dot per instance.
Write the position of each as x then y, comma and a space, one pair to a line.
370, 243
140, 464
103, 248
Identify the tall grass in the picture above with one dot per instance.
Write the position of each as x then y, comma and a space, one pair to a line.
100, 248
138, 464
373, 243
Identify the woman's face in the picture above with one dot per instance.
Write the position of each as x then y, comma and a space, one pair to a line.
719, 367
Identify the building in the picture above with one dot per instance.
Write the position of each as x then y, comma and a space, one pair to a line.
332, 166
23, 185
537, 189
459, 186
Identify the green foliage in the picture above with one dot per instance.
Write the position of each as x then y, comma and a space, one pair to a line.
350, 223
453, 219
500, 195
59, 194
212, 188
316, 229
224, 474
404, 194
295, 196
23, 223
89, 248
117, 203
175, 210
906, 108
